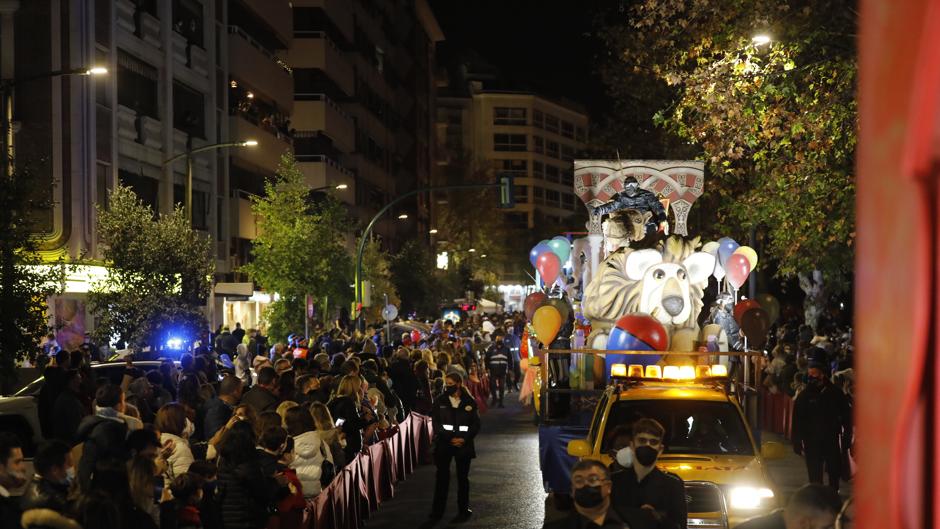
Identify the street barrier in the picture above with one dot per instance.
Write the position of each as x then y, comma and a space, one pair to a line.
777, 416
370, 478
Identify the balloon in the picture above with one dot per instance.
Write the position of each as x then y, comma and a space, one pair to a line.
683, 340
719, 272
547, 322
738, 268
743, 306
726, 247
548, 266
532, 302
755, 323
538, 250
711, 248
748, 252
416, 336
524, 345
636, 332
561, 246
563, 308
771, 305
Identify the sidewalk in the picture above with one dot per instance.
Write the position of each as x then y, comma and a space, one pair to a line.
789, 473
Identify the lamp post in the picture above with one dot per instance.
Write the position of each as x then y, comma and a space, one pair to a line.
188, 206
338, 187
6, 91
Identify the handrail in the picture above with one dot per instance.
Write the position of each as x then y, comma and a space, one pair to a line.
236, 30
319, 96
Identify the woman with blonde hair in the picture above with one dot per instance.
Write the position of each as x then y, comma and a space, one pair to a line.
331, 435
282, 410
345, 407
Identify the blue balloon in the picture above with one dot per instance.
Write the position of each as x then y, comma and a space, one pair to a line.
621, 340
537, 250
726, 248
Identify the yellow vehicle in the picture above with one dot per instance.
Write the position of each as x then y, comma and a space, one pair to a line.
708, 441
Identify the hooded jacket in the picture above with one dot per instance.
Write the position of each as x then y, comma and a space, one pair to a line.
102, 438
309, 453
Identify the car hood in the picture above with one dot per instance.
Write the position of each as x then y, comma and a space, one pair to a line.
720, 469
16, 403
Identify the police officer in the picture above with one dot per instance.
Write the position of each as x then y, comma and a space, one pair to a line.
642, 485
498, 361
456, 422
822, 418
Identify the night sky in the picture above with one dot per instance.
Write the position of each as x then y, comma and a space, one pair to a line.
538, 45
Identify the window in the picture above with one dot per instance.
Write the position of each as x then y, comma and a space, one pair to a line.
552, 149
552, 174
567, 153
551, 123
522, 194
189, 110
200, 206
552, 198
187, 20
509, 142
517, 168
538, 169
137, 85
567, 129
539, 144
517, 219
567, 177
579, 134
509, 116
102, 183
537, 118
539, 194
567, 201
147, 189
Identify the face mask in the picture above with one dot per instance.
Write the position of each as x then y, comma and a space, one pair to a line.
588, 497
646, 455
625, 457
189, 429
70, 474
450, 390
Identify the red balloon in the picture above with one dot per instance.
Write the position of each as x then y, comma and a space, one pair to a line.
743, 306
737, 268
416, 336
645, 328
549, 265
532, 302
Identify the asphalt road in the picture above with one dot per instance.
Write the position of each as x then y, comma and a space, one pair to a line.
506, 484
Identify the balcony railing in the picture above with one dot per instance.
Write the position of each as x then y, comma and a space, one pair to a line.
235, 30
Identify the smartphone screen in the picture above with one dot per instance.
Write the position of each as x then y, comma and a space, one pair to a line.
339, 422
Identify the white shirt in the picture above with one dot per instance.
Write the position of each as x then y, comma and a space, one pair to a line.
455, 400
4, 493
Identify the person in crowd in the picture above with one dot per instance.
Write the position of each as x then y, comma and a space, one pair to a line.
12, 476
311, 453
282, 409
54, 375
812, 505
175, 428
456, 424
403, 379
183, 510
243, 364
103, 434
146, 484
822, 424
310, 390
218, 410
245, 493
591, 489
620, 450
68, 408
107, 503
54, 474
642, 485
498, 360
209, 511
345, 408
331, 434
238, 334
423, 401
263, 395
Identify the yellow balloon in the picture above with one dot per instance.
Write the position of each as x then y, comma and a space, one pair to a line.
547, 322
748, 252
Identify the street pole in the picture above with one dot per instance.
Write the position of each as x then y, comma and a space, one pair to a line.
388, 326
365, 233
188, 207
188, 200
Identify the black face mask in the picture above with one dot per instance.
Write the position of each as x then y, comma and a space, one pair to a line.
450, 390
645, 455
588, 497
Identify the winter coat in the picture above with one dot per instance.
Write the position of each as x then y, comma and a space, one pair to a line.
309, 453
345, 408
244, 495
331, 438
179, 460
260, 399
102, 439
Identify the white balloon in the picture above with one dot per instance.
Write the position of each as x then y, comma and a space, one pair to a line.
711, 247
719, 271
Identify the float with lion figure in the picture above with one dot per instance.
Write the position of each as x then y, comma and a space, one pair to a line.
633, 291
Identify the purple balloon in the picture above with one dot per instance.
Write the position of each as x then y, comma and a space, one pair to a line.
726, 248
537, 250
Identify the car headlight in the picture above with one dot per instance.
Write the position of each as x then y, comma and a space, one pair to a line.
749, 497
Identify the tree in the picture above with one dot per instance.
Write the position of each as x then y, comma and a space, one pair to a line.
376, 268
160, 274
417, 279
775, 122
300, 248
25, 286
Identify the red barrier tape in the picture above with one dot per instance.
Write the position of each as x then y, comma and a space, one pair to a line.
370, 478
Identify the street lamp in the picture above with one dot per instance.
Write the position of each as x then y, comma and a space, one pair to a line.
760, 40
432, 231
339, 187
188, 206
403, 216
6, 87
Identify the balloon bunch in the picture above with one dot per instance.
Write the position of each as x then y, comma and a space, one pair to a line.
734, 262
547, 315
549, 256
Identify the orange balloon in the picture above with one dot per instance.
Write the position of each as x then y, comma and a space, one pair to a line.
547, 322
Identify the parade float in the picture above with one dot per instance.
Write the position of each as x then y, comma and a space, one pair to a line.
632, 291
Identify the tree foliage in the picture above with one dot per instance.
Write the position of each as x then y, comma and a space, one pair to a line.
25, 287
300, 248
776, 123
376, 268
160, 273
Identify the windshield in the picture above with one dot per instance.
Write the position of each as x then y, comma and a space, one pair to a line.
692, 427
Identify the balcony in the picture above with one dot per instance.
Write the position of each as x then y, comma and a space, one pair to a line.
276, 14
316, 112
337, 11
124, 19
323, 171
266, 155
316, 50
260, 68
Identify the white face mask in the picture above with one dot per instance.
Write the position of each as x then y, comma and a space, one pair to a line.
625, 457
189, 429
70, 473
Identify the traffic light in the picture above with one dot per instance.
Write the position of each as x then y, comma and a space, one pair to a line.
507, 197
